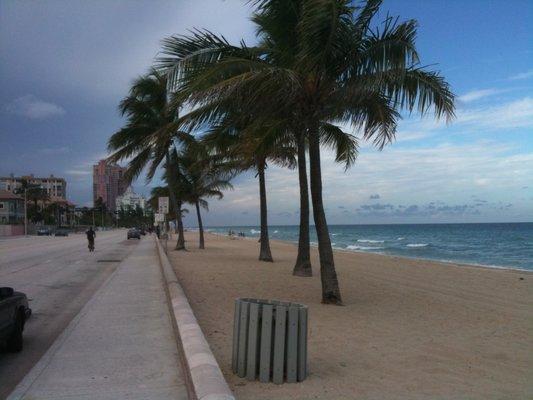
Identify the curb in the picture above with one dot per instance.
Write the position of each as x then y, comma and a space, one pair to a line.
205, 375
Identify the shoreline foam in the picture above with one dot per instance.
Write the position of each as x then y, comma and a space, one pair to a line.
365, 251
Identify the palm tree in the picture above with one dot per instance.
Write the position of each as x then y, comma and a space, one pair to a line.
202, 176
150, 134
336, 67
36, 195
247, 145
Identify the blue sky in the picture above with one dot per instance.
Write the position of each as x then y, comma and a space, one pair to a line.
65, 65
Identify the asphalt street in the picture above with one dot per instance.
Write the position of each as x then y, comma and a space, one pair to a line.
59, 275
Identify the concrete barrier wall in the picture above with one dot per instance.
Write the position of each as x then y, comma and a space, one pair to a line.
11, 230
205, 375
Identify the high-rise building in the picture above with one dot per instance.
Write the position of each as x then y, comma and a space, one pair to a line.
108, 183
54, 186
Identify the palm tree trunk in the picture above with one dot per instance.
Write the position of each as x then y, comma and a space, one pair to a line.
303, 260
264, 252
328, 276
180, 244
200, 225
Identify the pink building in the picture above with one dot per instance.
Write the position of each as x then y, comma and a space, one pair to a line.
108, 183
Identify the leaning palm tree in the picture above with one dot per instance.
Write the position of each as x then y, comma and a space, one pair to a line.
337, 67
150, 134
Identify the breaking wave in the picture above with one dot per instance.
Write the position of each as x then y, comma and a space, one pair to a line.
354, 247
415, 245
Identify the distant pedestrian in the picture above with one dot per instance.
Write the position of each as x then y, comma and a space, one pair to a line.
91, 234
157, 231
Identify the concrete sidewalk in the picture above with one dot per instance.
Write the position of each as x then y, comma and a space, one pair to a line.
120, 346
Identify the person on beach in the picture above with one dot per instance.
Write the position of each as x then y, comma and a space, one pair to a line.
91, 234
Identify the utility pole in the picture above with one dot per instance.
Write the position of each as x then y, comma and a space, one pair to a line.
94, 223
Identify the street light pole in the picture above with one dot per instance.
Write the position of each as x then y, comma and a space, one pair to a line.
26, 212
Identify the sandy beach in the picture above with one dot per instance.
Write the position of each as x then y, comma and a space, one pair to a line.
410, 329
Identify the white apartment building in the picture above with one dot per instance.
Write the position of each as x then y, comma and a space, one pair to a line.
130, 199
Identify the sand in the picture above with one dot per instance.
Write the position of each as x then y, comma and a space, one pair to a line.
410, 329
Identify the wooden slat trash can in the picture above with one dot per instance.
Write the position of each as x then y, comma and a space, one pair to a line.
270, 340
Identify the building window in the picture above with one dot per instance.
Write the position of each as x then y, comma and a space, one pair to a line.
1, 206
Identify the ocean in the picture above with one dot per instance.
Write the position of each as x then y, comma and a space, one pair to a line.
500, 245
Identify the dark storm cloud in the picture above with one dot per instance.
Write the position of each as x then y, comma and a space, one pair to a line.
67, 64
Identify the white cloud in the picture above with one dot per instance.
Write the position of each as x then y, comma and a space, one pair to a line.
446, 172
489, 118
31, 107
478, 94
523, 75
78, 172
512, 115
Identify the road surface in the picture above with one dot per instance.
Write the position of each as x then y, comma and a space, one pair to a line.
59, 276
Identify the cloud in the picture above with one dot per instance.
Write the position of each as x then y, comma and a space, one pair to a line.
84, 169
374, 196
377, 206
523, 75
78, 172
512, 115
54, 150
424, 210
31, 107
477, 94
515, 114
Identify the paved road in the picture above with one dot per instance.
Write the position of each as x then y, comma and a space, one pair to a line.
121, 345
59, 275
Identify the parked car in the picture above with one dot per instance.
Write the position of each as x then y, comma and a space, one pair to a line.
44, 232
142, 231
14, 311
61, 232
134, 234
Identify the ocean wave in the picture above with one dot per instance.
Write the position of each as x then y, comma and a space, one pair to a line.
333, 244
354, 247
334, 234
275, 232
253, 231
417, 245
369, 241
401, 238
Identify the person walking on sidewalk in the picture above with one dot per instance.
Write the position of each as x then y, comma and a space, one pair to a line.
91, 234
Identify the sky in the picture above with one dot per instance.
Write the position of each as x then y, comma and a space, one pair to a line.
65, 65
